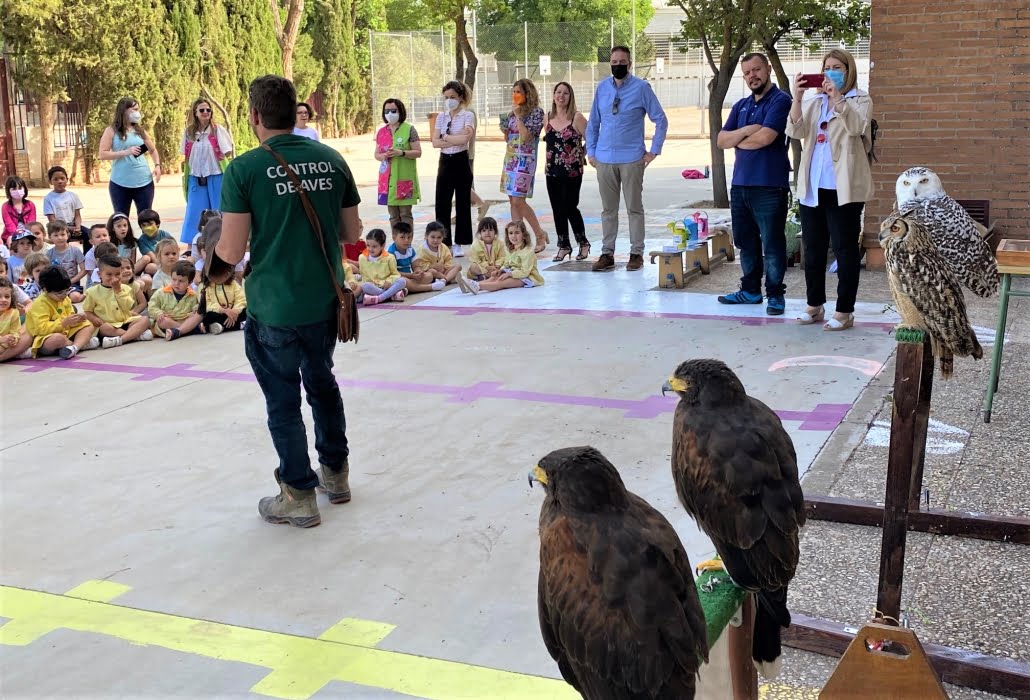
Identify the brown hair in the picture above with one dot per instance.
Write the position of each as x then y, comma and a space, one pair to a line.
572, 101
463, 91
519, 225
35, 260
193, 123
275, 100
120, 124
850, 68
529, 89
184, 268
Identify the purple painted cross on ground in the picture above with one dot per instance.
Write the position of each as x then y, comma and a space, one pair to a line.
825, 416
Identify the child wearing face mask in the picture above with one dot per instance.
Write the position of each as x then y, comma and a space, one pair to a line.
151, 234
17, 212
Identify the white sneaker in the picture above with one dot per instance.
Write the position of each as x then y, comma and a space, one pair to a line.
112, 341
67, 352
27, 355
468, 286
437, 285
147, 335
215, 328
93, 343
457, 252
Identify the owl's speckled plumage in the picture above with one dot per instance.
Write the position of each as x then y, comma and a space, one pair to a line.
926, 291
921, 197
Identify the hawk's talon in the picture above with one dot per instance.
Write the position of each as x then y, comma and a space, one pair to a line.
710, 565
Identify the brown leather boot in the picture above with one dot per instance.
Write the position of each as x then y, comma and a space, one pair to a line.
291, 507
606, 261
335, 484
635, 262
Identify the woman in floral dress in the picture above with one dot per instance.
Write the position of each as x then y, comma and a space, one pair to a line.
521, 129
564, 165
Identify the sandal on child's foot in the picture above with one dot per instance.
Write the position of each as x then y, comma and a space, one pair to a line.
399, 296
172, 333
371, 299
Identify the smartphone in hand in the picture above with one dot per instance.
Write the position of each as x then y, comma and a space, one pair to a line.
812, 80
144, 148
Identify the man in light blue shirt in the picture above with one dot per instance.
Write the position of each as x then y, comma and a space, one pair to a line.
615, 147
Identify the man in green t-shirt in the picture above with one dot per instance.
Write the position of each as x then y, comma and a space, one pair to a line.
291, 326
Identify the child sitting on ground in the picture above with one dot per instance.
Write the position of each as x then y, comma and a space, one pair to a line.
223, 305
67, 256
99, 251
174, 308
110, 306
403, 252
41, 244
14, 341
380, 279
52, 322
352, 251
519, 268
21, 248
167, 253
97, 234
21, 299
124, 237
64, 206
435, 257
151, 235
34, 264
135, 287
487, 253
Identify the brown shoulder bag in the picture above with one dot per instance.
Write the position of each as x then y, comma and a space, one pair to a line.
347, 311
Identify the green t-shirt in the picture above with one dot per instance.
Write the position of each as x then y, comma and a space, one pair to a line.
289, 284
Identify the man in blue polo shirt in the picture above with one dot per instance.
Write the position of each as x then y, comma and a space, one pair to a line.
758, 197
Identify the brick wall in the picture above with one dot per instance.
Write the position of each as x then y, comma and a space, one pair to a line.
950, 84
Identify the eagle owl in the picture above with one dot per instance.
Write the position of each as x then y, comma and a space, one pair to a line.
921, 197
925, 290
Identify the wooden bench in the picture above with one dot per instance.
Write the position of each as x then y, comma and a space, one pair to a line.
677, 266
722, 245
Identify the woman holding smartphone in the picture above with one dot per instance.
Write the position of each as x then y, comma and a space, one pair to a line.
834, 183
127, 143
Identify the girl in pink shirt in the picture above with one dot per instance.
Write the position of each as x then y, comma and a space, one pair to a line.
17, 212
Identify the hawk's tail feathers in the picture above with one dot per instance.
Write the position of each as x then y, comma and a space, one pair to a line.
947, 363
770, 616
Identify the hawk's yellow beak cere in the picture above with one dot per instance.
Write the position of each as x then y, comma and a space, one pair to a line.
674, 384
537, 474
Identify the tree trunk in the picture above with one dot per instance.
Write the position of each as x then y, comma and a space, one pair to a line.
287, 34
784, 81
718, 86
46, 131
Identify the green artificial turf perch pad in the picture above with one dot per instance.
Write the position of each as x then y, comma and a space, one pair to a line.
720, 604
909, 335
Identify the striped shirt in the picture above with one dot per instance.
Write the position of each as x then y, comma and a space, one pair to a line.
449, 126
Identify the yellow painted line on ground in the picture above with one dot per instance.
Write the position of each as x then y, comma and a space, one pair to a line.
782, 691
299, 666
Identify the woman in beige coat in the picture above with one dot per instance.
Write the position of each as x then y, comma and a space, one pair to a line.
834, 182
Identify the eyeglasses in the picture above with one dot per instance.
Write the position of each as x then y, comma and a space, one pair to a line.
204, 110
615, 106
61, 294
302, 113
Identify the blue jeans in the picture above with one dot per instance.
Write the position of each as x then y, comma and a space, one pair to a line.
198, 198
759, 218
122, 198
284, 357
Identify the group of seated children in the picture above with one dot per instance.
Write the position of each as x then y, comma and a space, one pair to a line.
379, 275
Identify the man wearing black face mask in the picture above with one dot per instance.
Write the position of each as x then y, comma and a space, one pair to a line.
615, 146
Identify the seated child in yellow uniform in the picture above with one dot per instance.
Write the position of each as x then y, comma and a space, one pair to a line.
175, 308
406, 255
223, 305
487, 254
435, 257
380, 279
111, 306
135, 286
14, 341
52, 322
519, 268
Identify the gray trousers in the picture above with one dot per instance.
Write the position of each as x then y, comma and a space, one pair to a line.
400, 213
629, 178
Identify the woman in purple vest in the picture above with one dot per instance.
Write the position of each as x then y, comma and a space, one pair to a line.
206, 148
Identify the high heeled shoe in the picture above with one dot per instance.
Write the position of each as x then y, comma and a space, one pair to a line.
584, 252
562, 254
541, 245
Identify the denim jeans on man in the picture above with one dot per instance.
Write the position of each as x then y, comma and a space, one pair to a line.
282, 358
759, 218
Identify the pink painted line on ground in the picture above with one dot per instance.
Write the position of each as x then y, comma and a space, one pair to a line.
825, 416
618, 313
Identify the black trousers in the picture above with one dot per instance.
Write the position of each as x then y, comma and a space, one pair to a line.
564, 195
454, 179
215, 317
837, 226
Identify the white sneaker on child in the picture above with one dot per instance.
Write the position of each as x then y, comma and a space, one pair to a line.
457, 252
67, 352
468, 286
370, 300
93, 343
437, 285
147, 335
112, 341
27, 355
215, 328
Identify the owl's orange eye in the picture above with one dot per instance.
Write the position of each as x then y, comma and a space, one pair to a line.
895, 228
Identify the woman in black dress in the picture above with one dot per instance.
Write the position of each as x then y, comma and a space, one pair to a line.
564, 170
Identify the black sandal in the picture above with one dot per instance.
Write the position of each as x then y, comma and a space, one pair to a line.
562, 254
584, 252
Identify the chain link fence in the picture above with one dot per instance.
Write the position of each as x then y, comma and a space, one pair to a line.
413, 66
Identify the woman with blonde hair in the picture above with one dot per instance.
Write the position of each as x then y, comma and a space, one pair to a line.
206, 147
521, 129
834, 183
563, 167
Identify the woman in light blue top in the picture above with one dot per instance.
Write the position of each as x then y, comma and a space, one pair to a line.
127, 144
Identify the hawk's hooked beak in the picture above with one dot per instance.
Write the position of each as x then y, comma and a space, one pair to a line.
674, 384
537, 474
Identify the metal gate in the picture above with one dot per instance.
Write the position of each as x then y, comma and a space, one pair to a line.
6, 124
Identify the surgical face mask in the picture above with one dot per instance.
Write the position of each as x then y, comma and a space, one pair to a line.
135, 117
518, 98
452, 104
17, 194
836, 77
620, 71
150, 230
393, 117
